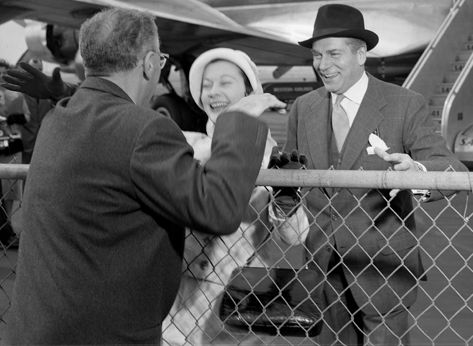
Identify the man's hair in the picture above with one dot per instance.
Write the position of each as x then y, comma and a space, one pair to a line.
115, 40
355, 44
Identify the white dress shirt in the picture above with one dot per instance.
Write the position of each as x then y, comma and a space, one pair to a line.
353, 97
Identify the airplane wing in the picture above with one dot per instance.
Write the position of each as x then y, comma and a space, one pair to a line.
403, 26
186, 27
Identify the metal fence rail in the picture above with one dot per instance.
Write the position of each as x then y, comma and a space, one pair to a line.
441, 315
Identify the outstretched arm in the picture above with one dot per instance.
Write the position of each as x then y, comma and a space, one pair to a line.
33, 82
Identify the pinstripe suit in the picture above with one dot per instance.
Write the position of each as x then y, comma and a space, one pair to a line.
375, 241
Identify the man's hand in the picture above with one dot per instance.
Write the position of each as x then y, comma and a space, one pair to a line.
286, 198
400, 162
33, 82
255, 105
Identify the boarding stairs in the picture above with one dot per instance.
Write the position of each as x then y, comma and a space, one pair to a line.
450, 76
444, 75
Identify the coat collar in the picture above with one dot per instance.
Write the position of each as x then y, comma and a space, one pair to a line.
105, 85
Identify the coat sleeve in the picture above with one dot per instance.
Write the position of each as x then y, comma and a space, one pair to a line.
422, 143
426, 146
210, 198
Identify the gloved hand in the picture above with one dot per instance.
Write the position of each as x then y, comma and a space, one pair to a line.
286, 198
33, 82
16, 118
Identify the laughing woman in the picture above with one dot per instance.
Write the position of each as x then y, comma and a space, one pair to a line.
219, 78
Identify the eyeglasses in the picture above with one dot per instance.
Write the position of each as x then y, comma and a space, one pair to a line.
163, 57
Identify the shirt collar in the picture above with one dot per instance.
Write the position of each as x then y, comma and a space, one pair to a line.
357, 91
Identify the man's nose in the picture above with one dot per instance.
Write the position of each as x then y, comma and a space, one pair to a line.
324, 63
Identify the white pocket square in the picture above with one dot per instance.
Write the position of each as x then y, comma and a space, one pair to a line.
375, 142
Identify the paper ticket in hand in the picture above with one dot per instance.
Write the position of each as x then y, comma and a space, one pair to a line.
375, 142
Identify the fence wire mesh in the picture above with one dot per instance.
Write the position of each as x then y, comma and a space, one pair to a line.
10, 202
278, 300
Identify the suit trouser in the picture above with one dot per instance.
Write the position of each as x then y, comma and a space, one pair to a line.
346, 324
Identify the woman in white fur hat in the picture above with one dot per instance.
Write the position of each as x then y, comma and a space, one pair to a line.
219, 78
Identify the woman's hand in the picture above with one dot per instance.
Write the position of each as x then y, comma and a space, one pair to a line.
254, 105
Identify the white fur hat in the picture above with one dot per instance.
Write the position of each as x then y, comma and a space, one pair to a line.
239, 58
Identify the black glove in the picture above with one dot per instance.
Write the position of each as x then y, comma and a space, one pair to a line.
286, 198
16, 118
35, 83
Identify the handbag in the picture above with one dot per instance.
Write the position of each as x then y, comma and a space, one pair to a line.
276, 301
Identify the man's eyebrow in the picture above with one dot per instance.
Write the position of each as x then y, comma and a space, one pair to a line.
333, 50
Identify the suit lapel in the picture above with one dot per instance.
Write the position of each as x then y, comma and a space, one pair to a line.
316, 127
366, 121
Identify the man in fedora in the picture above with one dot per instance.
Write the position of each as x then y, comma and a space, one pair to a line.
363, 239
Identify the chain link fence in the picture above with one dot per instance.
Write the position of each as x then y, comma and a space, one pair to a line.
12, 176
277, 301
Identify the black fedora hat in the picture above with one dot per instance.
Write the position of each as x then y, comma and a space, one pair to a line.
336, 20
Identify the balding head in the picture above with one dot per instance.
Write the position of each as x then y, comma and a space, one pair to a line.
115, 40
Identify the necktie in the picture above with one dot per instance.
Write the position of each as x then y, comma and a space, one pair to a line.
340, 123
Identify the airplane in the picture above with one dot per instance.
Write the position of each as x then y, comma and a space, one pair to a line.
186, 28
404, 27
267, 30
413, 21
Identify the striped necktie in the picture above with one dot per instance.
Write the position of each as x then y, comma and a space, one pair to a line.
340, 123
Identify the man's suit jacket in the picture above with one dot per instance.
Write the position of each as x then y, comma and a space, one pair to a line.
110, 190
361, 223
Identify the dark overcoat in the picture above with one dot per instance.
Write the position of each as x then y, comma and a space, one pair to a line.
110, 190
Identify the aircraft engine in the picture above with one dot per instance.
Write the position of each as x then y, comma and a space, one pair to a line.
51, 42
55, 44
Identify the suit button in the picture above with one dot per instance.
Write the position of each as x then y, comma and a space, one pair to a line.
334, 217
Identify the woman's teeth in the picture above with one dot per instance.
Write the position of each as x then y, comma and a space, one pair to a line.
218, 105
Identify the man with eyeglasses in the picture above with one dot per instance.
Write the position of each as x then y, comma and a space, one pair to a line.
112, 186
163, 58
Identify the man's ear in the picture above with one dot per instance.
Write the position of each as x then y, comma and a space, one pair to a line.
361, 55
148, 65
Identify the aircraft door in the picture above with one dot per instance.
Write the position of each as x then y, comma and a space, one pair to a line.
463, 146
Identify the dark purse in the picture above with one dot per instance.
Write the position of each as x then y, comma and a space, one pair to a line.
275, 301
